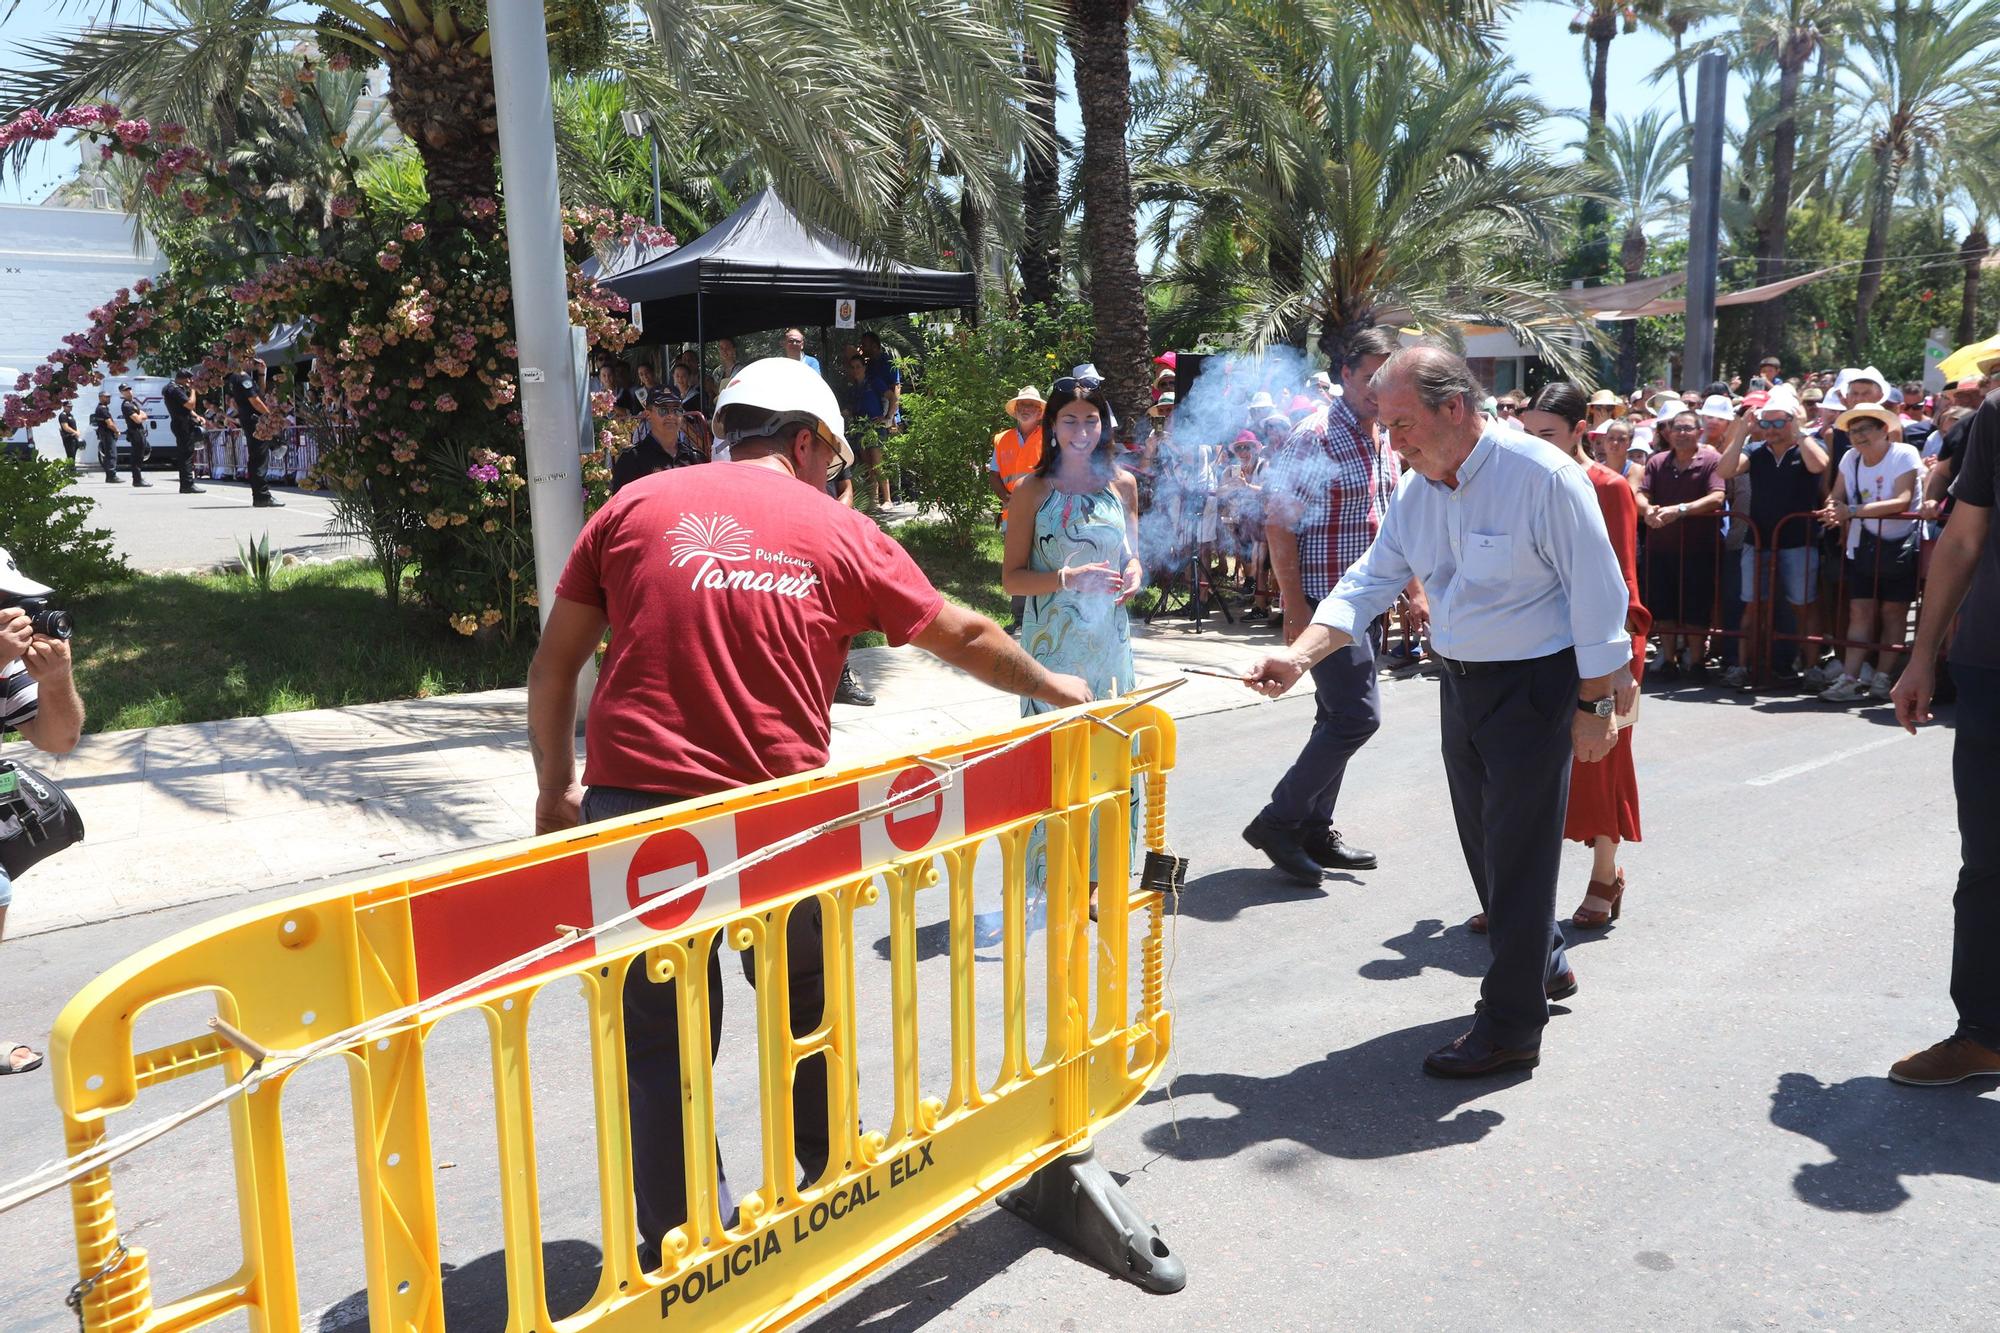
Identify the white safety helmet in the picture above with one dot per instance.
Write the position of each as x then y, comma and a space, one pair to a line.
765, 396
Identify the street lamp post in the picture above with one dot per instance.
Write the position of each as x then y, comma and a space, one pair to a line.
549, 391
639, 125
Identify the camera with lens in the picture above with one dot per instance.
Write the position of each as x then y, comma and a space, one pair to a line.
48, 621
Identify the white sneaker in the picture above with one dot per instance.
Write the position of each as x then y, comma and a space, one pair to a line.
1846, 690
1879, 687
1818, 678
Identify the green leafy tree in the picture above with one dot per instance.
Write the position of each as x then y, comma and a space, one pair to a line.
954, 401
1638, 162
1917, 73
1328, 174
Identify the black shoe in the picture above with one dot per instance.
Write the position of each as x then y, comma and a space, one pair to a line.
849, 690
194, 490
1470, 1057
1282, 846
141, 481
1325, 847
266, 502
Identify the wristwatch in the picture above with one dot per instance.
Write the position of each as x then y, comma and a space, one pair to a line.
1604, 707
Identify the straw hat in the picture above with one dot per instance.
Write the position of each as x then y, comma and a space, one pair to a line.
1161, 408
1606, 398
1874, 412
1029, 394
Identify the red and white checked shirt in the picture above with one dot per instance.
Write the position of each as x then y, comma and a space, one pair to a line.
1338, 482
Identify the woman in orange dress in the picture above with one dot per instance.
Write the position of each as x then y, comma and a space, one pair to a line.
1603, 797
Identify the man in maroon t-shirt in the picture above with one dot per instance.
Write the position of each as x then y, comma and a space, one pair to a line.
731, 597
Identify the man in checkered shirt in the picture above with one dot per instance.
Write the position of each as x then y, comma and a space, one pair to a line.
38, 699
1325, 494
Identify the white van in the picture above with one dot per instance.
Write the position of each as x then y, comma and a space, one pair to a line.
146, 388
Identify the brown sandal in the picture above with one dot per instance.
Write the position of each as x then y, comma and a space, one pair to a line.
1612, 895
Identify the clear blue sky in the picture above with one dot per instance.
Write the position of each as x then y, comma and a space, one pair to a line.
1537, 37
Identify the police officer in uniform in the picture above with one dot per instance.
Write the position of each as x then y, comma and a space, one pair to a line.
72, 438
179, 398
135, 434
106, 425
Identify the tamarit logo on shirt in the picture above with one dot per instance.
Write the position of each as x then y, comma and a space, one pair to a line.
718, 540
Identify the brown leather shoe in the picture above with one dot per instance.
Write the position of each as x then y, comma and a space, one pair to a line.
1476, 923
1561, 988
1952, 1060
1471, 1057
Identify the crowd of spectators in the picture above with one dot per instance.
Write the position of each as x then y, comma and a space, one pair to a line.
1781, 518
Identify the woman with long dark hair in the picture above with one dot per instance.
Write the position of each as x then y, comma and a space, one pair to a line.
1603, 797
1072, 551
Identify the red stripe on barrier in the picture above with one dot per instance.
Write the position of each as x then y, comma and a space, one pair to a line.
463, 928
1011, 786
826, 857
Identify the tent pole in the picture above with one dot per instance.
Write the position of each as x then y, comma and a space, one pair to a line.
701, 352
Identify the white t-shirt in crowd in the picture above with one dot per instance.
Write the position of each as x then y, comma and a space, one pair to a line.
1866, 485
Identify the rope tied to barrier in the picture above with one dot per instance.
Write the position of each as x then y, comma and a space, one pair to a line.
267, 1064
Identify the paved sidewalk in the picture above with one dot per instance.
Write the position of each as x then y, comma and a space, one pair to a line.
183, 814
157, 528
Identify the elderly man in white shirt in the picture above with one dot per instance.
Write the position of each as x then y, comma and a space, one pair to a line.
1528, 627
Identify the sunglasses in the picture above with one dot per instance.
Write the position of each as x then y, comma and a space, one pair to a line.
1771, 423
1071, 384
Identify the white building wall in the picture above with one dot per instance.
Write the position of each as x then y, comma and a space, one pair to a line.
56, 265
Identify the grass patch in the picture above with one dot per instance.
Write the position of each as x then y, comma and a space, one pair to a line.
175, 648
964, 566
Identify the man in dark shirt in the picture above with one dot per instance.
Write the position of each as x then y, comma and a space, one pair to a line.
1780, 557
179, 398
136, 442
1964, 582
72, 438
254, 415
104, 422
662, 441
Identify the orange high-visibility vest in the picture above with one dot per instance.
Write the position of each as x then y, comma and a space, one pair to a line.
1015, 458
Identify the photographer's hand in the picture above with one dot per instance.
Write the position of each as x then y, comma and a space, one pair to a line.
16, 633
47, 660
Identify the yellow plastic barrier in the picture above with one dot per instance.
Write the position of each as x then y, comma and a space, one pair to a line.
299, 971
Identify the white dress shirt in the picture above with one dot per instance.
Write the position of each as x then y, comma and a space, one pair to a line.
1514, 560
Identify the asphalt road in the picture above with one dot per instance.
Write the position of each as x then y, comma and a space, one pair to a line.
1708, 1143
156, 527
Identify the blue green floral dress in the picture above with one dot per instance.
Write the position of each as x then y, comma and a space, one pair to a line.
1075, 633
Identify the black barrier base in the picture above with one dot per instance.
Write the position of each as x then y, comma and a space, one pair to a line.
1075, 1200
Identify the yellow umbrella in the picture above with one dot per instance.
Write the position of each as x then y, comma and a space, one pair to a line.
1965, 361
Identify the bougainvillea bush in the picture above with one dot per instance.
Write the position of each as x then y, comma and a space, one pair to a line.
412, 393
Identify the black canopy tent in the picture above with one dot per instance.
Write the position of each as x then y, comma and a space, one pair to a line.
763, 267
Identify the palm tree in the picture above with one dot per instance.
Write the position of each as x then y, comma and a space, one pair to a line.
1919, 72
1976, 183
1098, 39
1040, 257
796, 88
1638, 161
1785, 35
1323, 173
1676, 19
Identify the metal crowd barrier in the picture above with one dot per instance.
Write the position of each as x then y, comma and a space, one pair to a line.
1834, 591
314, 967
1829, 597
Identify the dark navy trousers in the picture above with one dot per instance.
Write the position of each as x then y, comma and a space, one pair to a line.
653, 1052
1506, 759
